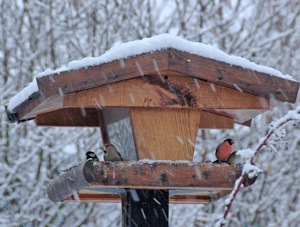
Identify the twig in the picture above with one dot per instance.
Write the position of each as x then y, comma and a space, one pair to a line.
272, 148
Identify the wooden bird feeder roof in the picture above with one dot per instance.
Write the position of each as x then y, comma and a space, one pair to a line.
168, 77
169, 88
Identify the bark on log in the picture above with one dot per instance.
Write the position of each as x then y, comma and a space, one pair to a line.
158, 175
67, 184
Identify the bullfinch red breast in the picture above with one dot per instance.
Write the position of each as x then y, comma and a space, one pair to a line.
224, 150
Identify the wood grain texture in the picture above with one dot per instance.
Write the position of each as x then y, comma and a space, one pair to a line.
73, 117
160, 63
198, 198
167, 61
175, 91
94, 76
165, 134
162, 175
23, 112
93, 196
236, 77
66, 184
211, 120
211, 181
186, 197
113, 115
103, 128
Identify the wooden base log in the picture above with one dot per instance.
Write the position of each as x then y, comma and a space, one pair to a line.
152, 176
67, 184
145, 208
162, 175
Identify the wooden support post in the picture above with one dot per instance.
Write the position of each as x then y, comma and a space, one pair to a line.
103, 127
165, 134
145, 208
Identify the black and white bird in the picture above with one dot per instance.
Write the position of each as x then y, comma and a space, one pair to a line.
110, 153
91, 156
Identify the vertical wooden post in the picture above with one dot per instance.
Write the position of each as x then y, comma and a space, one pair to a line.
165, 134
103, 128
145, 208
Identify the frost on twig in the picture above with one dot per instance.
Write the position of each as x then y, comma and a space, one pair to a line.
274, 141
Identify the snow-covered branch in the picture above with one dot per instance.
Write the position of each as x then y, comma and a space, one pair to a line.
276, 133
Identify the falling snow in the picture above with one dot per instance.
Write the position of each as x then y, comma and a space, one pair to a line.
36, 35
148, 45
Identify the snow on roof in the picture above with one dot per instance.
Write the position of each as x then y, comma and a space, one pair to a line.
147, 45
23, 95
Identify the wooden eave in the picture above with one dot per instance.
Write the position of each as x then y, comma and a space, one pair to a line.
176, 196
56, 90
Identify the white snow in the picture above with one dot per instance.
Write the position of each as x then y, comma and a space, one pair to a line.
23, 95
134, 195
161, 42
148, 45
251, 170
70, 149
151, 161
246, 154
291, 115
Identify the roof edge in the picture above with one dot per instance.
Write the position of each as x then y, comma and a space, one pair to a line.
13, 115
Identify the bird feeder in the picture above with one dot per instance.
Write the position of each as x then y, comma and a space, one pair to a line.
169, 93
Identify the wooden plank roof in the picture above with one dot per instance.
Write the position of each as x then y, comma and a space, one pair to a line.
56, 90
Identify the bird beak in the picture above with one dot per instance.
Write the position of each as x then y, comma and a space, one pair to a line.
102, 149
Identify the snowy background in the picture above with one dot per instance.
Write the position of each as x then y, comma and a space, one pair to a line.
37, 35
